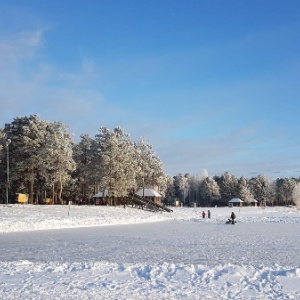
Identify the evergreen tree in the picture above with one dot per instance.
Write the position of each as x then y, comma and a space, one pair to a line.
27, 135
150, 172
228, 185
193, 183
210, 192
56, 161
261, 188
169, 193
296, 195
3, 167
181, 187
41, 155
244, 190
285, 188
87, 159
118, 164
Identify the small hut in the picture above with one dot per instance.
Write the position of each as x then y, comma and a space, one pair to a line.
235, 202
150, 194
101, 198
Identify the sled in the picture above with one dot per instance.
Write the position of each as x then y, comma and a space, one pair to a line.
229, 221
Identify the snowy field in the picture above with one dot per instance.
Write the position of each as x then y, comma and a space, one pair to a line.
49, 252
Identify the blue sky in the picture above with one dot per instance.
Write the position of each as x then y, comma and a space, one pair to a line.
211, 84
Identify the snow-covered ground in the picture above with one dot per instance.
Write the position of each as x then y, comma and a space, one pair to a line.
147, 255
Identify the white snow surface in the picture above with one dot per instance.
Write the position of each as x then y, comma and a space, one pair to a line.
96, 252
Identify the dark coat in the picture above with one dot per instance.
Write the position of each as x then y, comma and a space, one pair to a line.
232, 216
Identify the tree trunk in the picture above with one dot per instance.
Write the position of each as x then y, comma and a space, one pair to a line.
31, 192
60, 190
53, 200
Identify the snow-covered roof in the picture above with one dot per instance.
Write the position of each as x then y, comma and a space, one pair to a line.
100, 194
148, 193
252, 200
235, 200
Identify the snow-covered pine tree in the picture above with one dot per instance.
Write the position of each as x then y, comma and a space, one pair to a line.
87, 163
285, 187
261, 188
296, 195
3, 165
118, 164
57, 161
178, 191
169, 196
181, 187
27, 135
203, 175
194, 184
2, 141
185, 188
126, 165
150, 172
209, 191
228, 185
244, 192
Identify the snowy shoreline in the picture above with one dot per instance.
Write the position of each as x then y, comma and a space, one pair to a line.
17, 218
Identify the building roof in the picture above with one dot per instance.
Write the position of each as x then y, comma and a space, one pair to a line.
235, 200
148, 193
252, 200
100, 194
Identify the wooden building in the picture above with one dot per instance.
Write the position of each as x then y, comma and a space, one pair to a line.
150, 194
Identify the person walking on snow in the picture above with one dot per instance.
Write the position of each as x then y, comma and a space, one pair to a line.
232, 217
208, 214
203, 214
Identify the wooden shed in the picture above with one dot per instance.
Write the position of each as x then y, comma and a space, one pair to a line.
150, 194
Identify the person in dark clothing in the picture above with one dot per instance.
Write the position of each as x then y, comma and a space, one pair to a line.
232, 217
208, 214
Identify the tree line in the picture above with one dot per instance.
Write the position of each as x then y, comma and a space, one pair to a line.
40, 158
218, 190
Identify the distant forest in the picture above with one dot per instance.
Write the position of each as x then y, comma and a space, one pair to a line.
40, 158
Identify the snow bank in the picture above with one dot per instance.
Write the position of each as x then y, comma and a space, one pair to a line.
104, 280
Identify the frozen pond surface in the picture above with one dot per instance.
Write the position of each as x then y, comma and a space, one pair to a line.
170, 241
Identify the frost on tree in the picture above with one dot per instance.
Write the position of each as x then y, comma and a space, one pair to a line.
228, 185
296, 195
41, 156
181, 187
149, 171
88, 168
261, 188
209, 191
285, 187
244, 192
117, 159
